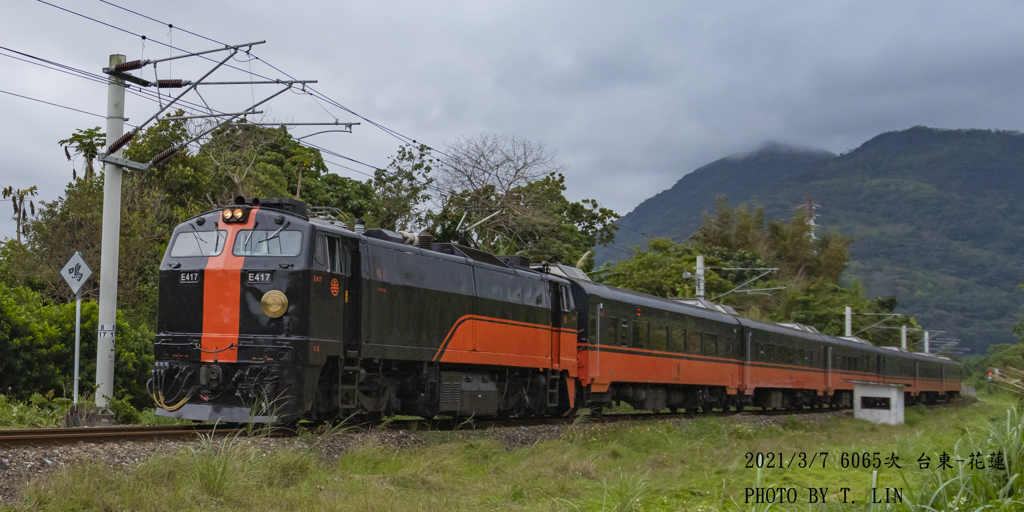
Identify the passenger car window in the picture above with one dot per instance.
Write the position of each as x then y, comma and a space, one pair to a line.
693, 342
678, 340
641, 332
710, 344
659, 338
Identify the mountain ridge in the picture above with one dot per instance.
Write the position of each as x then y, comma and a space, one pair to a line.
937, 216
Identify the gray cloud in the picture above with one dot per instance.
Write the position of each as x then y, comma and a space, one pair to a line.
631, 96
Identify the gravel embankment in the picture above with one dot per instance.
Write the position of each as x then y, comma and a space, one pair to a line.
21, 465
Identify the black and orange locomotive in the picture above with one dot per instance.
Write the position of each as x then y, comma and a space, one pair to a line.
267, 313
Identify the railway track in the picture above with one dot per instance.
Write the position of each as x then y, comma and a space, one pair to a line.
51, 436
483, 424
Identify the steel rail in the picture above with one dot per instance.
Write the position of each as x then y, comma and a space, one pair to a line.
10, 438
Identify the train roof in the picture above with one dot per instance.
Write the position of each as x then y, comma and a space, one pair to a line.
643, 299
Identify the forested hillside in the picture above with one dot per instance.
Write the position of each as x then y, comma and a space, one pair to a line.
937, 215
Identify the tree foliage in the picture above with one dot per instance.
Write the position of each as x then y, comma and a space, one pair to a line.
37, 348
739, 238
401, 190
251, 161
21, 212
506, 195
87, 144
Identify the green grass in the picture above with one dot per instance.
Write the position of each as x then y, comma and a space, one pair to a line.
38, 412
691, 465
41, 411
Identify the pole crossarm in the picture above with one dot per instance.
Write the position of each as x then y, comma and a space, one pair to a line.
203, 116
328, 123
262, 82
463, 230
766, 272
137, 64
888, 316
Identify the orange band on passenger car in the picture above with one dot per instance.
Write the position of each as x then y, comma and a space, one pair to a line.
222, 294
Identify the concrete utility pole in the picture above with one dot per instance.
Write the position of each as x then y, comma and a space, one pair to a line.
111, 243
903, 337
700, 276
926, 347
849, 321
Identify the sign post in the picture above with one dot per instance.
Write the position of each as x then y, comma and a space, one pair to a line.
76, 273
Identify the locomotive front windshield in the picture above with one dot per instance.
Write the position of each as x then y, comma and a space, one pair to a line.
260, 242
198, 243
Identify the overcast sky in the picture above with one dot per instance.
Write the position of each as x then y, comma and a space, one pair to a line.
631, 95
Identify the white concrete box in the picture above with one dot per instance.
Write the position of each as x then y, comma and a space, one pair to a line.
878, 403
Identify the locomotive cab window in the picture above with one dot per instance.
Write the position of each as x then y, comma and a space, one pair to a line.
337, 259
264, 242
198, 243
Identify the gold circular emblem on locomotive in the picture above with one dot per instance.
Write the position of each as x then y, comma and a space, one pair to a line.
274, 304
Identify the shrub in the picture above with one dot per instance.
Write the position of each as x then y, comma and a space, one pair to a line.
37, 348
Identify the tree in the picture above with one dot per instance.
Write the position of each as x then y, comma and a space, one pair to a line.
400, 190
234, 152
807, 287
17, 197
87, 144
506, 195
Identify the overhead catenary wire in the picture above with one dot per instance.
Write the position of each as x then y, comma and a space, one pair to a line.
313, 92
126, 31
86, 75
53, 104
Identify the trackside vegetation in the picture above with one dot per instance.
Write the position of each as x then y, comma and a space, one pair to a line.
412, 192
697, 464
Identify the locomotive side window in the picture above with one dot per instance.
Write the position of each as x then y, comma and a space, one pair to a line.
320, 251
198, 243
659, 339
615, 331
333, 255
624, 333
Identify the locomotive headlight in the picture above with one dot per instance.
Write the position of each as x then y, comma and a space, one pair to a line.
227, 214
237, 214
274, 304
